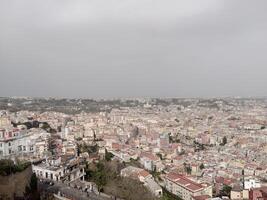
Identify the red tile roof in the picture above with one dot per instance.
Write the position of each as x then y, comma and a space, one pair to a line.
149, 156
144, 173
183, 181
201, 197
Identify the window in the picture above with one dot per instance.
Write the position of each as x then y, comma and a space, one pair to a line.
9, 144
9, 151
24, 148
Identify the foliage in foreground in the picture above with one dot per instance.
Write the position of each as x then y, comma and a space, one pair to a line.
8, 167
169, 196
106, 176
31, 191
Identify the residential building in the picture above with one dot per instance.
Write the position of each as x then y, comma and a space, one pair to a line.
55, 169
185, 188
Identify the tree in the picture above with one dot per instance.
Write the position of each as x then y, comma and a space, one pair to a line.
170, 138
100, 176
226, 190
224, 142
94, 136
160, 156
100, 180
8, 167
31, 190
34, 182
201, 166
187, 168
108, 155
126, 188
169, 196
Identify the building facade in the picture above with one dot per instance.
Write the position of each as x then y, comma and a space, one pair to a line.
185, 188
55, 169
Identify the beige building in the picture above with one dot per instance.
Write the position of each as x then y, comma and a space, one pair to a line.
237, 194
185, 188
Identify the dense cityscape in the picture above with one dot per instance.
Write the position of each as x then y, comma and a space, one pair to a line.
133, 100
165, 149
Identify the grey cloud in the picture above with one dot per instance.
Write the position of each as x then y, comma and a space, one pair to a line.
133, 48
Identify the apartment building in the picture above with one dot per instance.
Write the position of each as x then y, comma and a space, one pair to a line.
185, 188
251, 182
64, 169
16, 142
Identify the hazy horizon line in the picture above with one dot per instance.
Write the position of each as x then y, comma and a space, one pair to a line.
117, 98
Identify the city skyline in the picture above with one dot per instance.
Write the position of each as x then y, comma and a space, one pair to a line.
133, 100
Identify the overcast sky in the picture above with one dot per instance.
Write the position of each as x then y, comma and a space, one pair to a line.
133, 48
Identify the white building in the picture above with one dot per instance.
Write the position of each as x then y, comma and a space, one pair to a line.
148, 160
57, 170
153, 187
250, 183
15, 142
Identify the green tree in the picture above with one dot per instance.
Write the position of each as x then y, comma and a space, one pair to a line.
100, 176
31, 190
8, 167
168, 195
226, 190
187, 168
201, 166
94, 136
34, 182
108, 155
224, 142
